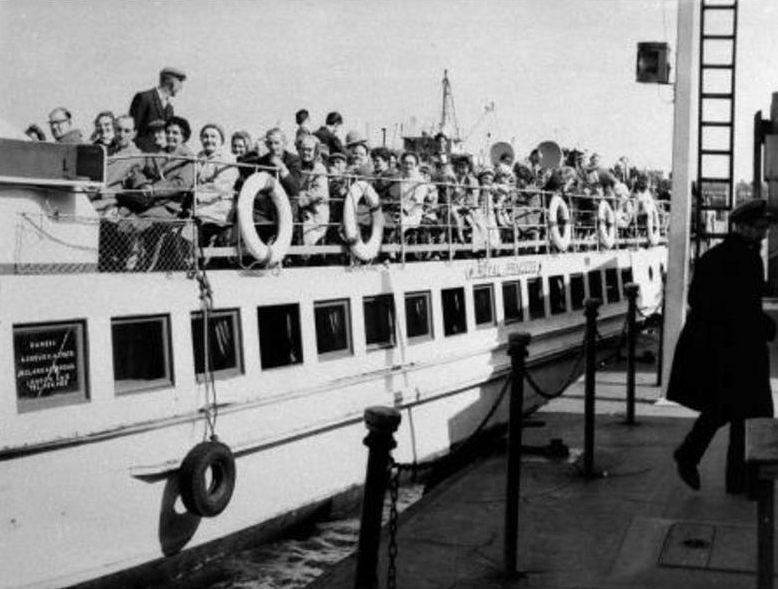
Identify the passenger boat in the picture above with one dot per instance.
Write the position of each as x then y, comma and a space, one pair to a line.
107, 390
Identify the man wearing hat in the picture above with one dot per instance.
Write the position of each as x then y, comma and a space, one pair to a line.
154, 104
721, 365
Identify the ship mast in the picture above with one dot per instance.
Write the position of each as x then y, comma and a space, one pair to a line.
448, 115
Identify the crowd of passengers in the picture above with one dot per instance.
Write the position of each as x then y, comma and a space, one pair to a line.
151, 172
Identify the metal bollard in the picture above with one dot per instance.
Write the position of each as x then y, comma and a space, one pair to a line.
631, 291
590, 309
517, 350
381, 423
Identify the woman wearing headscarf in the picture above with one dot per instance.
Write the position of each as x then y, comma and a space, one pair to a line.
215, 177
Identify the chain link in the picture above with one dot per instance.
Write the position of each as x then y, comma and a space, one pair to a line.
394, 485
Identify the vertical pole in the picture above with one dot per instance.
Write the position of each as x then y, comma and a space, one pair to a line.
680, 211
631, 290
517, 350
381, 423
590, 309
383, 136
765, 534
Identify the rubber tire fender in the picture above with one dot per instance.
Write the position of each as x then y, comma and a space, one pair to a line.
558, 207
606, 224
199, 498
356, 192
273, 254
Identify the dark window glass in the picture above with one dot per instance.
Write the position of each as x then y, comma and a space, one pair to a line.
626, 276
577, 293
280, 343
379, 320
223, 342
537, 309
141, 353
50, 362
333, 326
595, 284
418, 316
556, 294
483, 299
612, 285
454, 318
511, 301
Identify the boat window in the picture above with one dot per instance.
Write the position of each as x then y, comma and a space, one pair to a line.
280, 343
418, 315
454, 317
379, 321
50, 361
595, 284
612, 285
537, 308
483, 300
142, 357
577, 294
224, 342
626, 275
333, 328
511, 301
556, 294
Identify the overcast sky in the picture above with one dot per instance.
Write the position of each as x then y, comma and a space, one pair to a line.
555, 69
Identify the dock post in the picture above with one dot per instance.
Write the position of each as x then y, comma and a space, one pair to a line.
590, 309
517, 350
631, 291
381, 423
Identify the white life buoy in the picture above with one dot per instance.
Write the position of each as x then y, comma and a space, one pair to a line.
273, 253
559, 213
364, 251
653, 221
606, 224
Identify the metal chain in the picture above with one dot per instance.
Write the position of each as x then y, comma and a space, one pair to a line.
394, 485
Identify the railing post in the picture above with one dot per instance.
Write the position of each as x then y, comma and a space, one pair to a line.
381, 423
517, 350
631, 291
590, 309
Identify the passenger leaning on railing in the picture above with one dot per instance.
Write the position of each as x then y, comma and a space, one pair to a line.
215, 197
162, 187
338, 188
464, 198
126, 158
313, 200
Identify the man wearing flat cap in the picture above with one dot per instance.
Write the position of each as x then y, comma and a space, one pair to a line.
155, 104
721, 364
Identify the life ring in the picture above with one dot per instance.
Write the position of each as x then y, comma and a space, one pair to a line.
558, 208
268, 254
606, 224
364, 251
653, 222
207, 498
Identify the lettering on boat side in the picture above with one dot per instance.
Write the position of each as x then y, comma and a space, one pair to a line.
487, 269
47, 361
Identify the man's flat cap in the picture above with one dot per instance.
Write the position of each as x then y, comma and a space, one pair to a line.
173, 71
337, 155
751, 210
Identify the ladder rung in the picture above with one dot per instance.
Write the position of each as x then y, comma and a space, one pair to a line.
715, 180
718, 66
716, 123
720, 7
717, 95
716, 152
718, 37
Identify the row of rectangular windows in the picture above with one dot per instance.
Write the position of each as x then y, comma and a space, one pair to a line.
50, 358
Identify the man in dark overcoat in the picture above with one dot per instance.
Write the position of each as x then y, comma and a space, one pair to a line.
155, 104
721, 365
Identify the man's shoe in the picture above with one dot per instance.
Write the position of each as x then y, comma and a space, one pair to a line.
688, 472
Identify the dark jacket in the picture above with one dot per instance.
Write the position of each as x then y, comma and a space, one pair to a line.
145, 108
328, 138
721, 360
263, 207
72, 136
